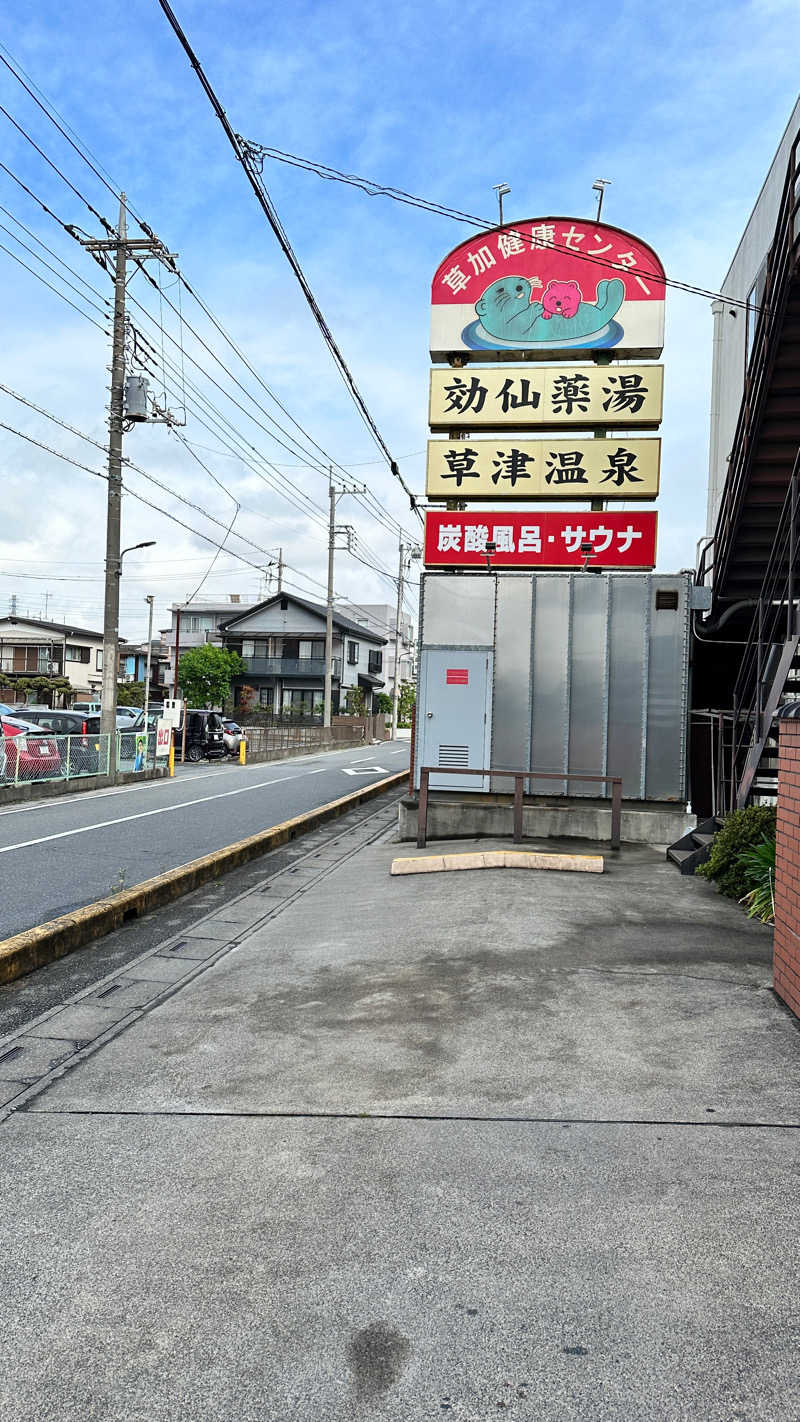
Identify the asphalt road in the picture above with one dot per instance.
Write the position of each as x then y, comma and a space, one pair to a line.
56, 856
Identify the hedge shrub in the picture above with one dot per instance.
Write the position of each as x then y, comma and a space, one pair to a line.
742, 830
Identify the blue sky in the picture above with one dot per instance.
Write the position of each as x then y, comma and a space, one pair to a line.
680, 106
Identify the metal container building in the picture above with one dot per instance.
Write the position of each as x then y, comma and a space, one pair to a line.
571, 672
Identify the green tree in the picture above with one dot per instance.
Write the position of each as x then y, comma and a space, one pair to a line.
383, 703
408, 697
205, 675
130, 693
355, 702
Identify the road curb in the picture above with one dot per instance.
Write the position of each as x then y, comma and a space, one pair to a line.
36, 947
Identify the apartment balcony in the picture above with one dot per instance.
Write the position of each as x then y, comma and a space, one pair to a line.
311, 667
29, 666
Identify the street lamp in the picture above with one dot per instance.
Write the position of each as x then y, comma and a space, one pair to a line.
151, 543
149, 600
108, 698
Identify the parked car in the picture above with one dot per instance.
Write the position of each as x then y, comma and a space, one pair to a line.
129, 713
84, 748
89, 708
27, 752
232, 736
204, 736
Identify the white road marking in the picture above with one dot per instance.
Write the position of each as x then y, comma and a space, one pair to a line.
144, 814
365, 770
88, 797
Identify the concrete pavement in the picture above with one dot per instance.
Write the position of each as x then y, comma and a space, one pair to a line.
406, 1148
59, 855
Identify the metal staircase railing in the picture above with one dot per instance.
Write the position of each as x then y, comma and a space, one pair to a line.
769, 651
782, 262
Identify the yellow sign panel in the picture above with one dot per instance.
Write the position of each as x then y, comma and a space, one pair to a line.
505, 468
522, 397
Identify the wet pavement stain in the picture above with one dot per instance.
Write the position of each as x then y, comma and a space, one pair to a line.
377, 1354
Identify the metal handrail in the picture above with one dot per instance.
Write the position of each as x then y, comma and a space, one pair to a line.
774, 624
519, 777
781, 260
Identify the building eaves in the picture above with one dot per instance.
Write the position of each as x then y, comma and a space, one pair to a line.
338, 620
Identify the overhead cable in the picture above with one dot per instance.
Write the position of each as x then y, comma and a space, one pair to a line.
270, 213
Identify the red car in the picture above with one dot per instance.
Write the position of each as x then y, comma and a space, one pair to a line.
27, 752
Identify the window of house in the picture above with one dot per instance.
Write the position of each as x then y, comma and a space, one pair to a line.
376, 661
248, 647
265, 695
98, 660
78, 654
352, 654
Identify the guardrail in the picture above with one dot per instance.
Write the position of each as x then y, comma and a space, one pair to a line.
519, 777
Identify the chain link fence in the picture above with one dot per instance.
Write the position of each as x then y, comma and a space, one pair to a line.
41, 755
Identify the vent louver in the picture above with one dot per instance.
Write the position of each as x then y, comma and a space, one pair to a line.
454, 757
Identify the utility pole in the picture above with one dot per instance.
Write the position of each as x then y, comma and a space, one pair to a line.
280, 570
333, 529
328, 693
119, 248
108, 695
148, 599
397, 644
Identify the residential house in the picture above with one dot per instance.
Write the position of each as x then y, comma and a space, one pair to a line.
199, 623
133, 663
282, 641
382, 618
30, 647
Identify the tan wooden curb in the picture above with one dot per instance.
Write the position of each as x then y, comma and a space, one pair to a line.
499, 859
35, 947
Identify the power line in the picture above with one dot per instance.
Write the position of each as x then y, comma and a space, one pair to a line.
133, 493
98, 474
51, 251
380, 515
50, 287
374, 189
270, 213
81, 149
136, 468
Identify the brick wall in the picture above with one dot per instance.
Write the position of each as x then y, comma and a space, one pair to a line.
786, 950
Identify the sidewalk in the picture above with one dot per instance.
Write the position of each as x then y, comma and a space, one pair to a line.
447, 1145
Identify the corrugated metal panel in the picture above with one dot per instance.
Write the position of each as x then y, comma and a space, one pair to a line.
552, 625
591, 673
459, 612
588, 700
666, 694
512, 676
627, 682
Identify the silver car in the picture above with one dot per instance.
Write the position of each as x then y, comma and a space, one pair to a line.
232, 735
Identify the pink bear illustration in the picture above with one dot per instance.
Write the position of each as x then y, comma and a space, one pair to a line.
561, 298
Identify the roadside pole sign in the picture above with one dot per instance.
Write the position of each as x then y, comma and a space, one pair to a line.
551, 287
163, 737
518, 469
540, 539
545, 397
